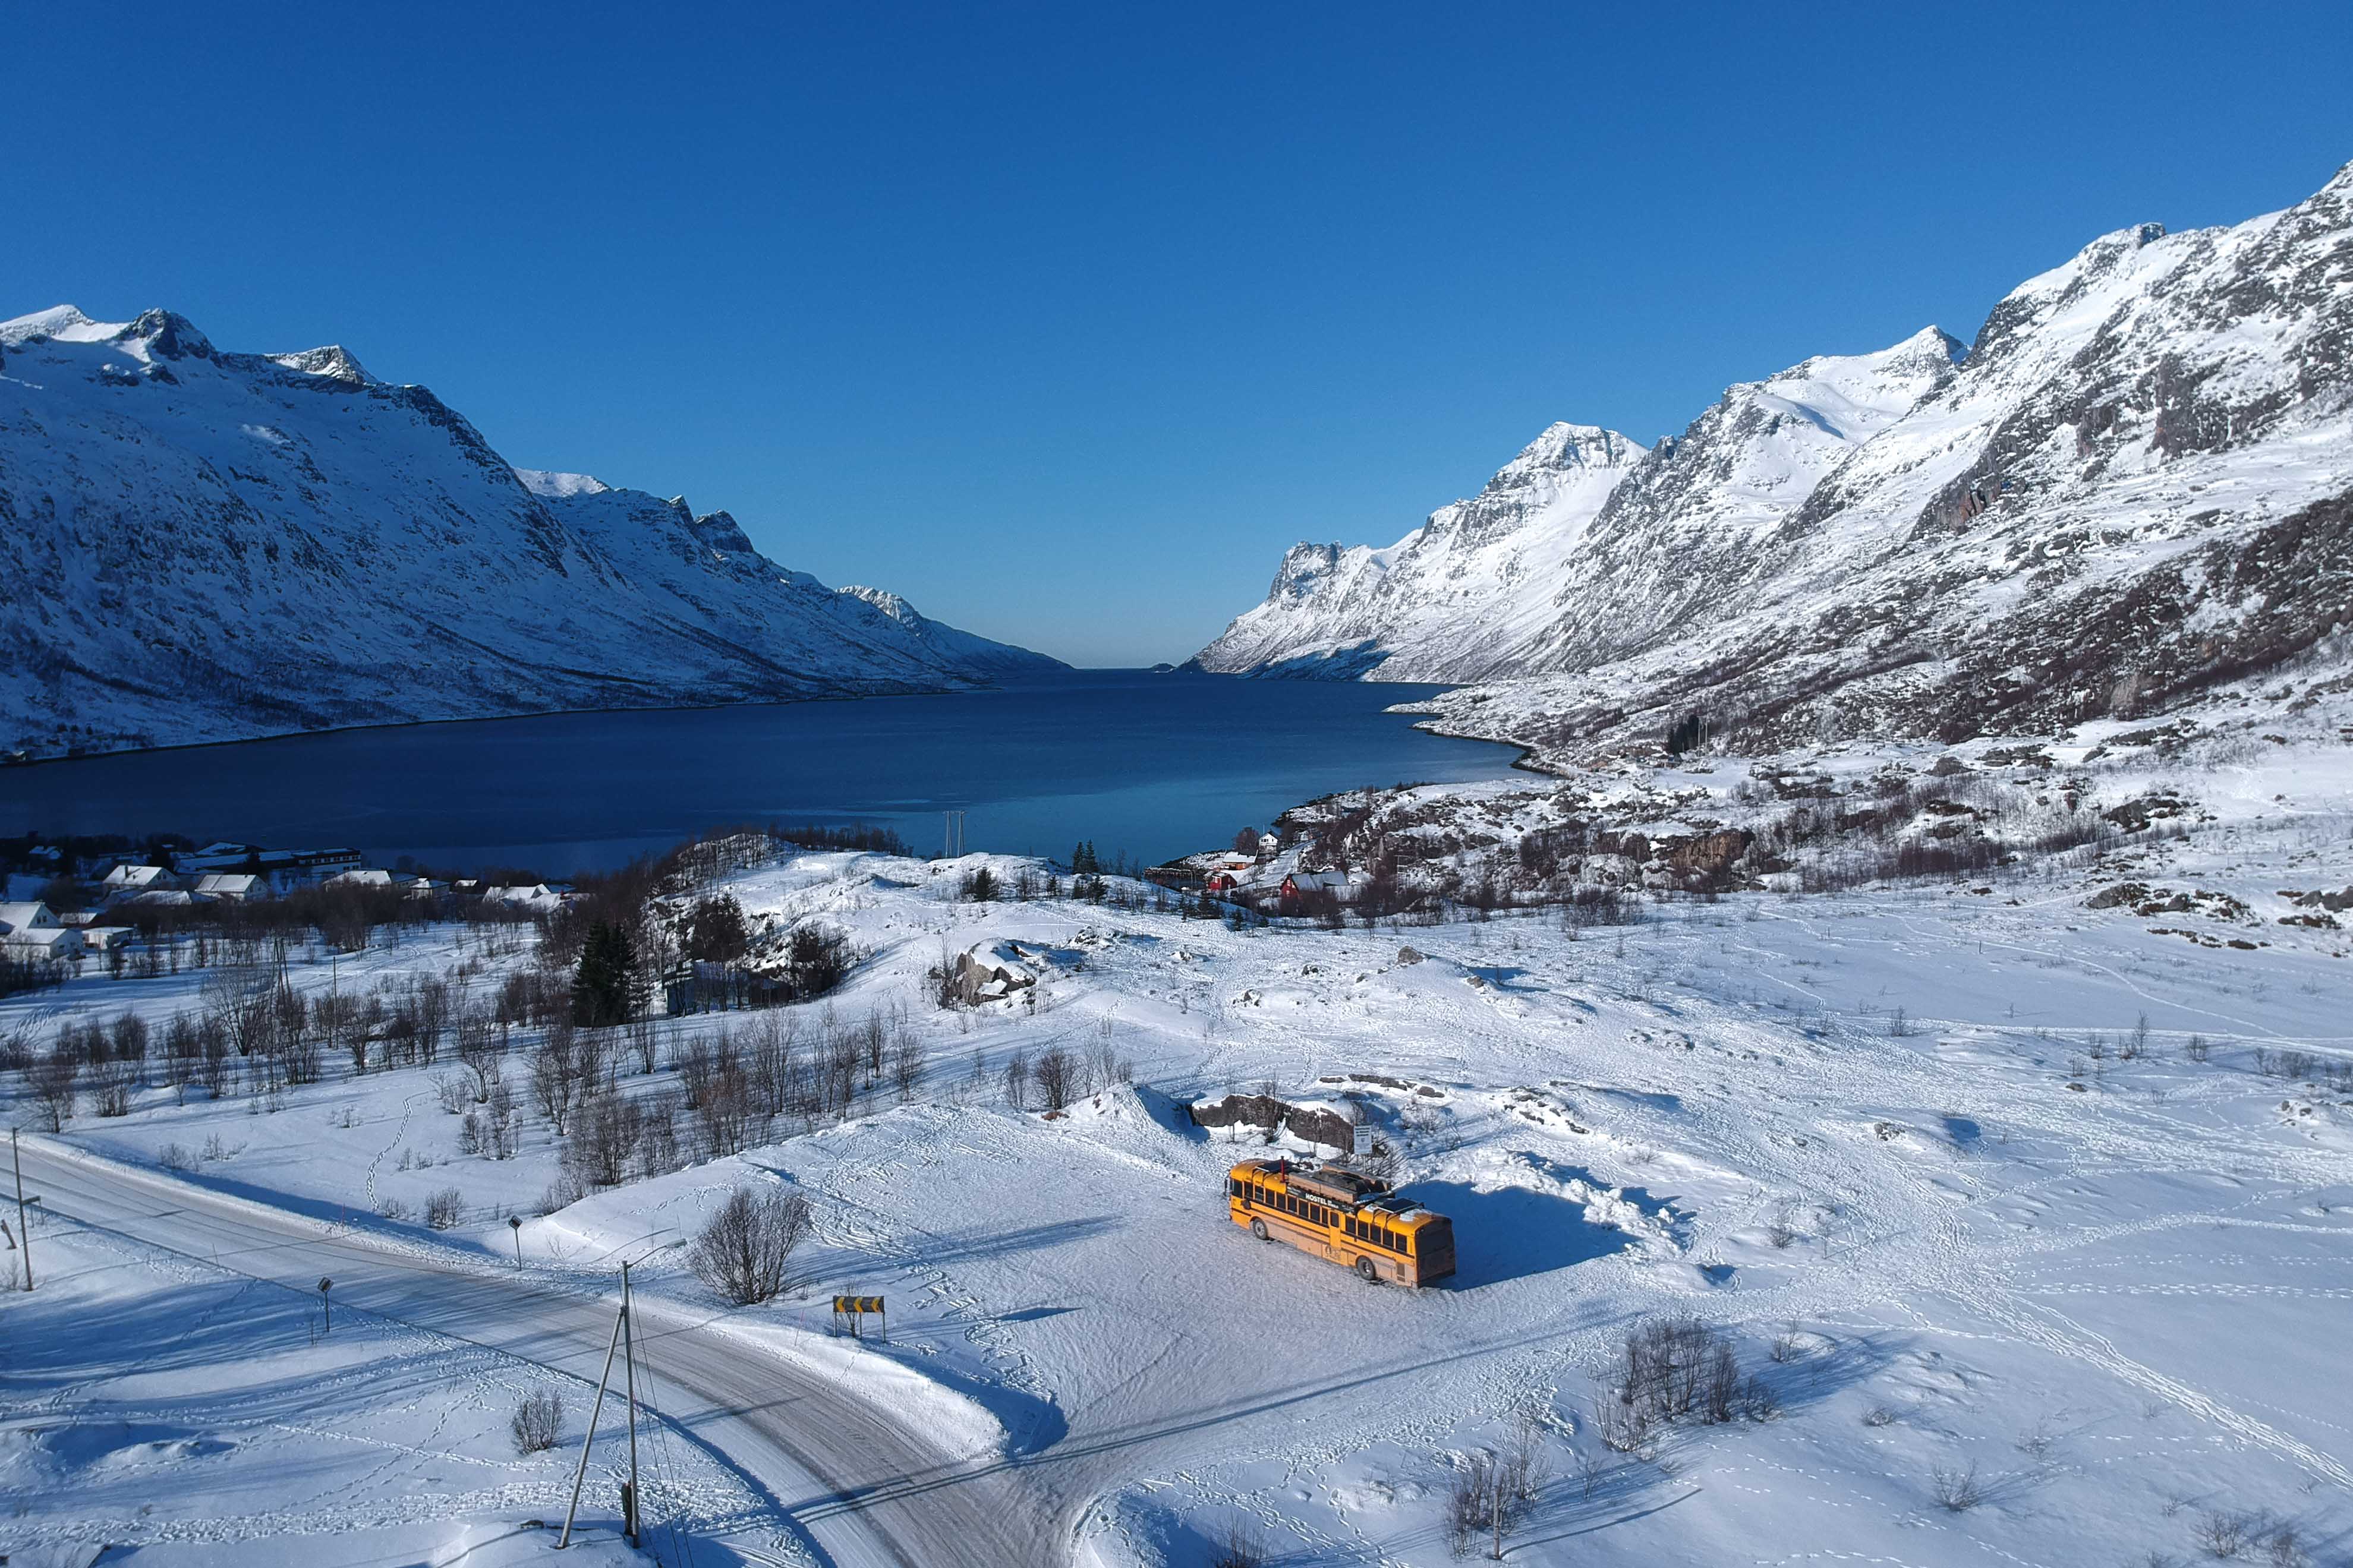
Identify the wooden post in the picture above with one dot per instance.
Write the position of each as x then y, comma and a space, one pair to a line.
23, 1224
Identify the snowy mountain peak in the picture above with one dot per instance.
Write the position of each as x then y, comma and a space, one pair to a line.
719, 531
1564, 445
546, 483
165, 335
333, 362
883, 599
63, 323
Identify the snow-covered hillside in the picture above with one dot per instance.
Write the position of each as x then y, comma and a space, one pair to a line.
1456, 599
2136, 485
208, 545
2021, 1201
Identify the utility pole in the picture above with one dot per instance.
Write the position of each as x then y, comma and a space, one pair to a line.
629, 1372
588, 1437
621, 1336
23, 1224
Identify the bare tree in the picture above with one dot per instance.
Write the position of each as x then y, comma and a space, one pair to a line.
642, 1042
52, 1080
480, 1048
554, 1076
605, 1130
745, 1250
1053, 1076
906, 1061
768, 1061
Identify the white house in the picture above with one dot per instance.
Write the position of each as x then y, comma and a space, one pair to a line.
125, 880
32, 932
231, 886
360, 878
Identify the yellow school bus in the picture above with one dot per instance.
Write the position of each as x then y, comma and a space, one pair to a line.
1341, 1216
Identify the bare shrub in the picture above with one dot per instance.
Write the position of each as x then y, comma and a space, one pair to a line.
2223, 1534
1243, 1549
2197, 1050
746, 1249
111, 1082
537, 1422
1053, 1075
1490, 1495
1759, 1401
1956, 1491
446, 1209
1673, 1368
175, 1157
454, 1092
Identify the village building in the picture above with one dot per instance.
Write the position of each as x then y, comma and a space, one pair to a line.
126, 880
1304, 889
230, 887
31, 931
221, 857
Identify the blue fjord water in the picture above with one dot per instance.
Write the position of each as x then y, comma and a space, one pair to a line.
1153, 764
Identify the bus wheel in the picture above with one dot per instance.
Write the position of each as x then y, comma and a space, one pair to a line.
1257, 1228
1365, 1266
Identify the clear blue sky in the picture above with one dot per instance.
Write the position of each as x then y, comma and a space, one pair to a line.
1066, 322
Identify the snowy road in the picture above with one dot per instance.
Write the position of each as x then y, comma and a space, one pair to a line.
836, 1479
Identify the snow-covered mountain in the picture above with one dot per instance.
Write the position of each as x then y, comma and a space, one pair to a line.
206, 545
2137, 483
1456, 599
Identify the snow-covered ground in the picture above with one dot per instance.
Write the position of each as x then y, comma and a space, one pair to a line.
1980, 1181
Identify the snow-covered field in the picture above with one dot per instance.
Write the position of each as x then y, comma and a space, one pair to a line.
1990, 1190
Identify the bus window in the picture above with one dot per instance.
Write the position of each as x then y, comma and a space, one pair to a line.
1405, 1242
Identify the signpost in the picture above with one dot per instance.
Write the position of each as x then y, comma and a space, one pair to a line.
853, 1311
515, 1225
326, 1285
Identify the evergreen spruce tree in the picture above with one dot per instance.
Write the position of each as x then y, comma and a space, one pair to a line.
601, 986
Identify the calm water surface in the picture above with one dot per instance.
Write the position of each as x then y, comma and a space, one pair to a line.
1156, 765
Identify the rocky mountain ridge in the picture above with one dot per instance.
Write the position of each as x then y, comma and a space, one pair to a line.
213, 546
2135, 484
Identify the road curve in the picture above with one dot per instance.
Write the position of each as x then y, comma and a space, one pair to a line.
855, 1488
